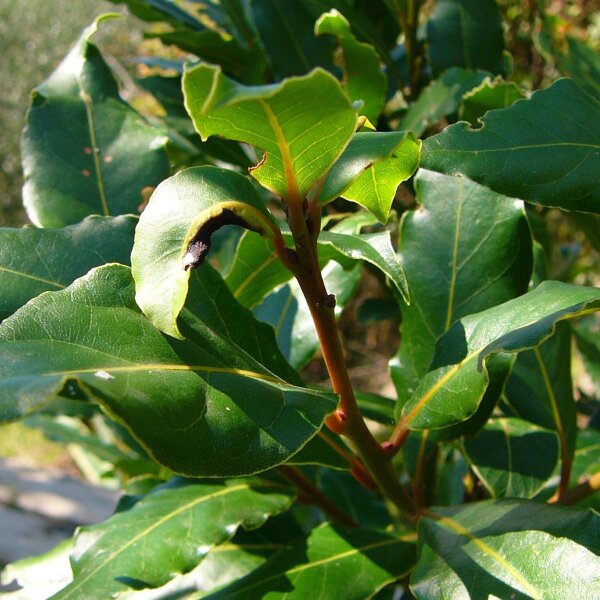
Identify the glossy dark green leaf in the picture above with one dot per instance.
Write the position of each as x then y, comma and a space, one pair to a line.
109, 155
464, 249
332, 562
508, 549
287, 311
440, 98
556, 130
286, 28
371, 169
540, 388
364, 506
466, 33
35, 260
458, 377
174, 234
243, 64
160, 10
512, 457
300, 139
180, 522
489, 95
321, 451
204, 406
363, 77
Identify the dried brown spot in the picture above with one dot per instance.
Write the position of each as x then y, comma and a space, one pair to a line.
108, 159
85, 172
87, 150
200, 245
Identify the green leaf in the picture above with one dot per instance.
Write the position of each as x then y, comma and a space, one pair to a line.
335, 562
489, 95
440, 98
373, 248
174, 234
512, 458
287, 311
255, 271
364, 506
556, 130
458, 376
181, 522
540, 388
109, 155
363, 78
35, 260
286, 29
466, 33
227, 562
464, 249
202, 406
302, 124
508, 549
160, 10
244, 64
587, 463
371, 169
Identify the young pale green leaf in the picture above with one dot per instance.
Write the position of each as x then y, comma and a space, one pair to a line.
440, 98
540, 388
466, 33
508, 549
464, 250
489, 95
512, 458
109, 155
332, 562
371, 169
363, 78
204, 406
287, 311
35, 260
556, 131
180, 521
302, 124
458, 376
174, 234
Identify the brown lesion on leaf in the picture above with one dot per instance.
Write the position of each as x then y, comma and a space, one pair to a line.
200, 244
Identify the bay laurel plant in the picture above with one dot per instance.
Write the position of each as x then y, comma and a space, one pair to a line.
184, 266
